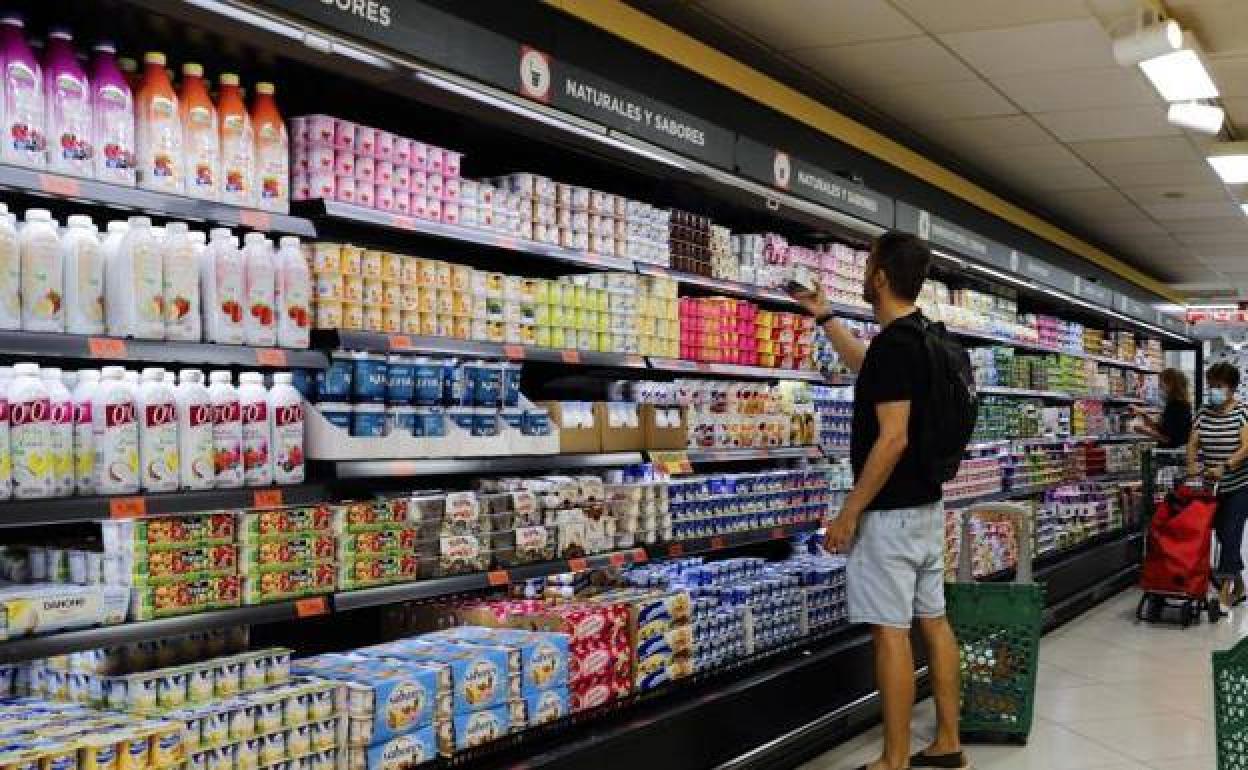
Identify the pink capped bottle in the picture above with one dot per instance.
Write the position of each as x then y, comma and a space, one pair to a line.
112, 109
68, 111
24, 140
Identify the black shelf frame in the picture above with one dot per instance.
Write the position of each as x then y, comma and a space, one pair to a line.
168, 352
379, 342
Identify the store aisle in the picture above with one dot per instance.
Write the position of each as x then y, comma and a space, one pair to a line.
1112, 695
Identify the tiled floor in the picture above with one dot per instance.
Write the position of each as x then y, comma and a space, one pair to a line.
1111, 695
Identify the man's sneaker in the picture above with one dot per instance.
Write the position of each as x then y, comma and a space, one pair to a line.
954, 761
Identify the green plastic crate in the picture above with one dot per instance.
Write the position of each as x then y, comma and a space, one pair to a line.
1230, 706
998, 628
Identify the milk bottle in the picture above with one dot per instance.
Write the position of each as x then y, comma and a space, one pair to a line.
84, 445
222, 278
286, 418
30, 428
10, 271
43, 278
112, 107
24, 142
294, 287
6, 460
257, 442
181, 285
259, 323
158, 432
60, 432
83, 259
227, 430
114, 434
195, 429
139, 298
68, 107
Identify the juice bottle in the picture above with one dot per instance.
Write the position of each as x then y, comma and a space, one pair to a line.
227, 430
60, 432
157, 410
272, 154
237, 144
114, 434
286, 429
195, 444
159, 129
10, 271
83, 258
181, 285
68, 96
84, 445
43, 276
253, 400
112, 108
140, 282
259, 321
30, 428
202, 145
24, 141
294, 286
221, 275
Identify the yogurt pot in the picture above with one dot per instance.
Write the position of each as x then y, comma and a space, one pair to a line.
368, 421
255, 671
402, 420
368, 378
509, 374
427, 376
484, 421
333, 383
484, 380
338, 415
428, 422
536, 422
400, 379
454, 384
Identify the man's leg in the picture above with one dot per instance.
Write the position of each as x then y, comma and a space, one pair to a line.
894, 675
943, 664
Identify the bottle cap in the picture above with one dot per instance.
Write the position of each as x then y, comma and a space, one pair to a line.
220, 375
26, 370
38, 215
251, 378
112, 372
140, 221
265, 88
229, 79
192, 70
283, 378
154, 57
79, 220
191, 375
153, 374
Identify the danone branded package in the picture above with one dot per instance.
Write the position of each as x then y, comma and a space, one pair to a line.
398, 753
385, 698
543, 655
480, 676
43, 608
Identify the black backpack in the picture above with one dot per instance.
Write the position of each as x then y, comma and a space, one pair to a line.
947, 419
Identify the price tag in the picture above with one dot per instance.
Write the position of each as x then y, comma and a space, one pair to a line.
127, 507
402, 222
58, 185
578, 565
499, 577
514, 352
676, 549
106, 347
717, 542
270, 357
570, 356
617, 559
267, 498
640, 556
256, 220
311, 607
778, 533
400, 342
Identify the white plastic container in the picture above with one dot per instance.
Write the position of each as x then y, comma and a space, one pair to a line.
294, 291
30, 427
257, 442
84, 443
43, 276
158, 433
115, 320
286, 417
222, 279
60, 432
6, 458
82, 255
10, 271
139, 280
195, 442
181, 285
259, 311
114, 434
227, 430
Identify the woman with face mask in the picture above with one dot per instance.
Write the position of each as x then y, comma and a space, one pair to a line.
1221, 439
1173, 429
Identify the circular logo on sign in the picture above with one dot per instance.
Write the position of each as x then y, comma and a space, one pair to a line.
780, 170
534, 74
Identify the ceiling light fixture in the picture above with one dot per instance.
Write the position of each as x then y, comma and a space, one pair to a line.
1180, 76
1230, 161
1205, 118
1148, 43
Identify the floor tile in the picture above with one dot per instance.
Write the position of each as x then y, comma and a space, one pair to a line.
1150, 738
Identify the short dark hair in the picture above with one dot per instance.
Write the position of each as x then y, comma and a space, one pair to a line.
904, 259
1223, 373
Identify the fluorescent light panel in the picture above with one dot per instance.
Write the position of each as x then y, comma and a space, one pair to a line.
1180, 76
1205, 118
1232, 168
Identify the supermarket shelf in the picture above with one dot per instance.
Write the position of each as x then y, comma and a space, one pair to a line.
78, 346
1036, 489
734, 455
720, 285
346, 212
734, 370
1124, 400
698, 545
138, 201
1000, 391
480, 581
68, 510
367, 469
1054, 440
978, 336
404, 343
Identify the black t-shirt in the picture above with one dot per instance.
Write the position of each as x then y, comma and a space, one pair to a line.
894, 370
1176, 424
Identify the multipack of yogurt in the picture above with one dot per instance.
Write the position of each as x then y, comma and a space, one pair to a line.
481, 677
397, 753
40, 608
543, 656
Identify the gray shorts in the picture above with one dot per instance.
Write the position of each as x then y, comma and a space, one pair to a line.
896, 566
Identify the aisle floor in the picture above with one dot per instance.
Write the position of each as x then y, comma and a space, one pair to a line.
1111, 695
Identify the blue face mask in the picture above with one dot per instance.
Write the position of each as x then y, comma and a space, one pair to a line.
1218, 396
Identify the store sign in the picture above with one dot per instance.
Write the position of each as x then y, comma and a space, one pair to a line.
941, 232
1049, 275
1094, 292
1133, 307
805, 180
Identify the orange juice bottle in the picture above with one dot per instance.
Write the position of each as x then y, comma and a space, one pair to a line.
237, 144
272, 152
201, 134
159, 128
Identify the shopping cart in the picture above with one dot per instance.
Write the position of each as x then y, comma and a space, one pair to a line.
1230, 706
998, 629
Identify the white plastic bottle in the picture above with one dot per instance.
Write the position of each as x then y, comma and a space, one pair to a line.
60, 432
10, 271
158, 432
294, 289
115, 318
83, 258
84, 445
139, 298
257, 441
6, 459
43, 275
259, 323
286, 418
227, 430
222, 278
195, 429
181, 285
114, 435
30, 427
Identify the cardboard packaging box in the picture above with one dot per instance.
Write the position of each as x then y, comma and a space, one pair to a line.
621, 432
574, 438
668, 436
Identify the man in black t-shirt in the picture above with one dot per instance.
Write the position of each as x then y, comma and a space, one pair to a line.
892, 521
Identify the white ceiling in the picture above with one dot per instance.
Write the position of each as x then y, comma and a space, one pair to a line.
1028, 93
